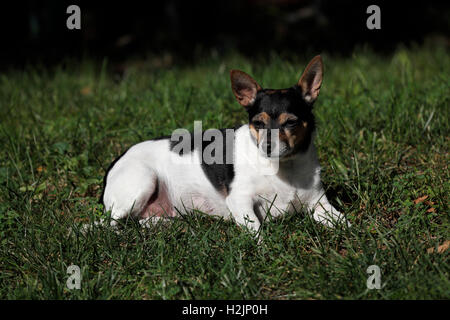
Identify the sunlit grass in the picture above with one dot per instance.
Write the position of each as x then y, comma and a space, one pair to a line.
383, 142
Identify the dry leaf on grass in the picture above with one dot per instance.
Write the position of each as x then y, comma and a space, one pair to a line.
440, 249
420, 199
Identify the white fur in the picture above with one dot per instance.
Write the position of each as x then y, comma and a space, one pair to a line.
134, 177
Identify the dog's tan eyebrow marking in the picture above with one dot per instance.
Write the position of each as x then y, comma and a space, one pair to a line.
263, 116
282, 118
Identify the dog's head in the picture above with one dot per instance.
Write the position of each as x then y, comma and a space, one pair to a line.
280, 120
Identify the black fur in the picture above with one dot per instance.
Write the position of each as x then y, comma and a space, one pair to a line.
220, 175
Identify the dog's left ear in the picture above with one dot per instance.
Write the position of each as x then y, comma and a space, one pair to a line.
244, 88
311, 79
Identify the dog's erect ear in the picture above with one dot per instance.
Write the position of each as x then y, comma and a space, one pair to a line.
311, 79
244, 87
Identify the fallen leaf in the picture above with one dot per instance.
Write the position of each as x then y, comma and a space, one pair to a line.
431, 210
85, 91
440, 249
420, 199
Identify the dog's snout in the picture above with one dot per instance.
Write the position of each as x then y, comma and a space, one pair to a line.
269, 142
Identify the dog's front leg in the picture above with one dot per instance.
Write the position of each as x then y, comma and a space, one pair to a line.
241, 208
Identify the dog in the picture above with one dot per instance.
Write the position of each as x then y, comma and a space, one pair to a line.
274, 168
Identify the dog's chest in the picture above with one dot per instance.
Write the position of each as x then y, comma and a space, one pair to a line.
273, 191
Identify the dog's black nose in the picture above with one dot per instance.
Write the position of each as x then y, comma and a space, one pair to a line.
267, 147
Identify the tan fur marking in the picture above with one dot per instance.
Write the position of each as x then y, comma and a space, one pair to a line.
263, 116
283, 136
296, 136
223, 191
254, 132
282, 118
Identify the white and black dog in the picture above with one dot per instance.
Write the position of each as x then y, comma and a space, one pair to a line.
271, 163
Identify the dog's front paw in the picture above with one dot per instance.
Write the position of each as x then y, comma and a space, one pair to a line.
331, 218
344, 221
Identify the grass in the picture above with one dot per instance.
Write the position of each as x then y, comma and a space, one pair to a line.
383, 142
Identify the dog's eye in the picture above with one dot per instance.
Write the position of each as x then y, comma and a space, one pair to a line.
258, 124
290, 123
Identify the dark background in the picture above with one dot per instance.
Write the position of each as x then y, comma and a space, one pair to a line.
35, 31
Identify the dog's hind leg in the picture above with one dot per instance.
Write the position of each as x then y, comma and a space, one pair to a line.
136, 191
128, 190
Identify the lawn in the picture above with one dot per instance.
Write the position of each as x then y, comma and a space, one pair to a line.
383, 142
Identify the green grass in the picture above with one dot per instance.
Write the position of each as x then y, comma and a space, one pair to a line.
383, 141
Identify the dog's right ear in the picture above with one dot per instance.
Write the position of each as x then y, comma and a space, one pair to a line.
244, 88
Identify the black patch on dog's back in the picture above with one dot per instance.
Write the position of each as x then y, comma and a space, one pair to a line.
220, 175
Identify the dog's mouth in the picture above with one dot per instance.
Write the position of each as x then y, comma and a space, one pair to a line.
278, 150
